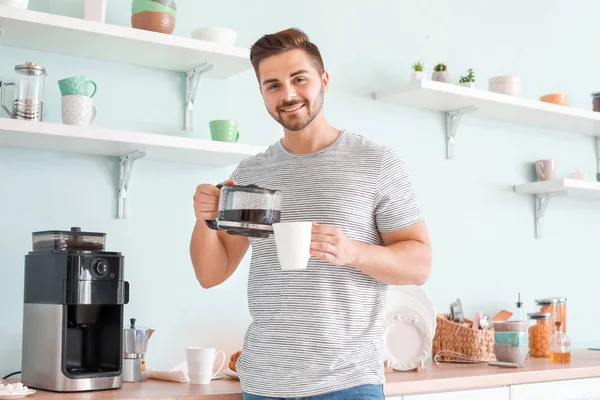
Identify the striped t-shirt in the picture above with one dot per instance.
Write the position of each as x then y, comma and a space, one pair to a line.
320, 329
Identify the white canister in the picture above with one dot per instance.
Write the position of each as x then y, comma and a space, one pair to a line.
15, 3
510, 85
94, 10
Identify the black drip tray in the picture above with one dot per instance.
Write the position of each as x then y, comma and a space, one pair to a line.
249, 233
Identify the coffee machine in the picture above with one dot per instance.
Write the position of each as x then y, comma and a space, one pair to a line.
74, 297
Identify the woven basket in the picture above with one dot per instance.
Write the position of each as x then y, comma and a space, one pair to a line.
462, 339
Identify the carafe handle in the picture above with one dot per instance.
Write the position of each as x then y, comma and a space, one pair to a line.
3, 89
213, 223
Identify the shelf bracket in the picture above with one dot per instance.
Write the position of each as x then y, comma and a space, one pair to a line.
541, 204
192, 79
125, 168
598, 158
452, 122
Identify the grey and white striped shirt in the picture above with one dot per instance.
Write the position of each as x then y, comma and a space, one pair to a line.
321, 329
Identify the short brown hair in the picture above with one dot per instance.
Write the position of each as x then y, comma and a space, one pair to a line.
282, 41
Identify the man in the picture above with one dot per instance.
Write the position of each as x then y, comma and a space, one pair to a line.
316, 333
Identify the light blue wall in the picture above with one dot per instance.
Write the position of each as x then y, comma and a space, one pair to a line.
482, 233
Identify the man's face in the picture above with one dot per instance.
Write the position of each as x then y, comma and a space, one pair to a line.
292, 88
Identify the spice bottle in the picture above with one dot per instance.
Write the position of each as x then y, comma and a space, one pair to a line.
560, 346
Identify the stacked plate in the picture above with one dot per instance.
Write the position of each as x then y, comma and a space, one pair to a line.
410, 327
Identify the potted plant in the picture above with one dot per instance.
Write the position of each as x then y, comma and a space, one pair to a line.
468, 80
418, 73
440, 73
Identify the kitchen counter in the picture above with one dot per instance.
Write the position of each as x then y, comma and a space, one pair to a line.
443, 378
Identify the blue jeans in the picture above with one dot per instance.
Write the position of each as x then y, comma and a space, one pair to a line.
364, 392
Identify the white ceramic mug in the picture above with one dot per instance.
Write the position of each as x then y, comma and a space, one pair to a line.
78, 110
292, 240
200, 363
545, 169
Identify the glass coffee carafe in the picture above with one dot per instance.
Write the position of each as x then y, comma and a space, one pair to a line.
28, 93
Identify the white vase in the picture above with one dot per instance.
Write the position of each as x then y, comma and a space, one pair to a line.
418, 76
441, 76
467, 84
94, 10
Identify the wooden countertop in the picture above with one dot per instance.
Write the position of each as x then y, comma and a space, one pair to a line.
442, 378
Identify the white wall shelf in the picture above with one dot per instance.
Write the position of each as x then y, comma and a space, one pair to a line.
455, 100
126, 145
543, 191
89, 39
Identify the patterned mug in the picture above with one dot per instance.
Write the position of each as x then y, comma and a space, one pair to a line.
78, 110
76, 85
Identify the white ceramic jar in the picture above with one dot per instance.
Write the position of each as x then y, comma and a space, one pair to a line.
510, 85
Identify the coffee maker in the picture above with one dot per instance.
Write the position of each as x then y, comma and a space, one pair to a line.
74, 297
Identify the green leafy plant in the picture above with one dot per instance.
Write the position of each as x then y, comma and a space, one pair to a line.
469, 78
440, 67
418, 66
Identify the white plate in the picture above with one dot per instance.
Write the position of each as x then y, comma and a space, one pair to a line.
231, 374
18, 395
407, 339
398, 298
420, 294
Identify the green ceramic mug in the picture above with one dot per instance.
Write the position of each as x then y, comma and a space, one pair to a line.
224, 130
76, 85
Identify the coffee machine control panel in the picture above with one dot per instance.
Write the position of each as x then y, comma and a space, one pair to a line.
98, 268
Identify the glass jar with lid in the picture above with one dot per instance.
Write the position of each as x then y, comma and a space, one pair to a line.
561, 314
548, 305
540, 331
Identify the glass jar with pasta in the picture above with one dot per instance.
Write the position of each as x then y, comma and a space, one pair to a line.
540, 331
561, 312
548, 305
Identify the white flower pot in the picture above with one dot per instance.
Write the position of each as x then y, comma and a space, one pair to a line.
467, 84
418, 76
441, 76
510, 85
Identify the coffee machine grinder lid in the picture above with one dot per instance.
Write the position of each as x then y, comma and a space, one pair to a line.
74, 239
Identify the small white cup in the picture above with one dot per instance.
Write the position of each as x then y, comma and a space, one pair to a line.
293, 244
200, 363
78, 110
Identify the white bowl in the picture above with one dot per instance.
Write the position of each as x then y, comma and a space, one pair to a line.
15, 3
224, 36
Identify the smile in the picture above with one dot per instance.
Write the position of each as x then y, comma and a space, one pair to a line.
293, 109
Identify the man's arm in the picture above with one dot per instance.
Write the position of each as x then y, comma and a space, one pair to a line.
405, 259
215, 254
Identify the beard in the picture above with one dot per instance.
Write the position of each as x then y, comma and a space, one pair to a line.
300, 120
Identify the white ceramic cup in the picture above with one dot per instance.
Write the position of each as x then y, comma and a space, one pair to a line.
78, 110
200, 363
545, 169
293, 244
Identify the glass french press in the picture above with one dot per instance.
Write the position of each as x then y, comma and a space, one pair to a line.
28, 94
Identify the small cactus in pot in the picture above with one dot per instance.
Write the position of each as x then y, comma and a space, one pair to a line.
418, 72
440, 73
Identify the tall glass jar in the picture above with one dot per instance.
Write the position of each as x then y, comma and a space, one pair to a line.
561, 312
540, 331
